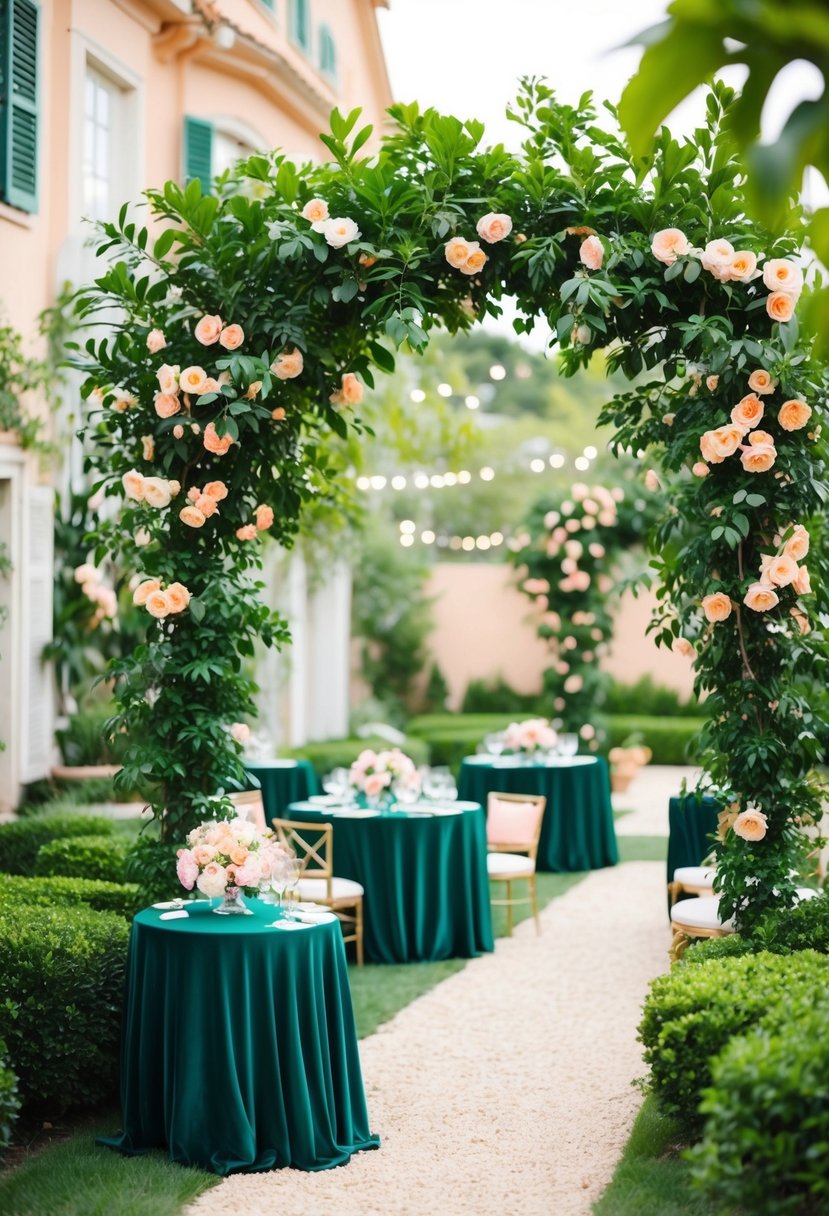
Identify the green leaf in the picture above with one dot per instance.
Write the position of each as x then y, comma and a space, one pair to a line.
197, 609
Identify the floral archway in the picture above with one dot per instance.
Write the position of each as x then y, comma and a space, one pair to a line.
254, 319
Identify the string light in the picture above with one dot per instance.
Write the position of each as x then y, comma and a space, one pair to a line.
398, 482
497, 372
445, 390
407, 526
581, 463
486, 473
472, 402
437, 481
421, 480
406, 541
537, 465
557, 461
417, 394
427, 536
590, 452
464, 477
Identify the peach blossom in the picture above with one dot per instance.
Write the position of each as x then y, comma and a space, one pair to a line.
762, 382
315, 211
148, 447
210, 386
700, 469
751, 825
682, 646
192, 379
214, 443
133, 483
178, 597
288, 365
652, 481
252, 391
216, 489
157, 492
717, 607
175, 487
759, 457
207, 505
794, 415
802, 583
240, 731
669, 419
493, 227
264, 517
591, 253
167, 404
203, 854
157, 604
156, 341
742, 266
716, 445
167, 376
668, 243
231, 337
780, 306
457, 251
797, 546
351, 392
178, 431
711, 383
760, 597
208, 330
278, 414
780, 274
194, 494
192, 516
145, 588
340, 231
800, 618
716, 259
367, 260
780, 570
212, 880
748, 412
246, 532
475, 262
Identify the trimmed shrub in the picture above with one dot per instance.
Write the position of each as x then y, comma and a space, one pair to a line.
61, 988
9, 1100
647, 699
101, 857
426, 724
804, 927
704, 950
151, 867
122, 898
691, 1013
340, 753
21, 842
670, 739
497, 697
766, 1139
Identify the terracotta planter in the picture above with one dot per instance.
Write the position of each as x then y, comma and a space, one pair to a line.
83, 772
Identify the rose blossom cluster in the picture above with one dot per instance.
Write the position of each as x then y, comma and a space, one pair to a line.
759, 453
232, 853
373, 772
777, 570
467, 256
262, 520
211, 329
531, 735
93, 587
338, 231
201, 504
350, 391
159, 601
782, 277
154, 491
598, 508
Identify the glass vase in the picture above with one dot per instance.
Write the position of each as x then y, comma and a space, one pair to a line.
233, 903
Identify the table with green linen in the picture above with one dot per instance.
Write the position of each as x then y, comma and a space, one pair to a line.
239, 1051
577, 832
282, 782
692, 821
424, 875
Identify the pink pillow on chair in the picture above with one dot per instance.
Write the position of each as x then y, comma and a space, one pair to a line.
512, 823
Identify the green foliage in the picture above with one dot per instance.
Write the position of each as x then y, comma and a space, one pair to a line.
20, 376
804, 927
436, 692
43, 795
21, 842
340, 753
151, 866
103, 896
672, 740
498, 697
101, 857
84, 741
693, 1012
650, 699
766, 1112
61, 990
9, 1101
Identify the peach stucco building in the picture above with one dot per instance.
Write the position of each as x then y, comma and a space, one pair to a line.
98, 100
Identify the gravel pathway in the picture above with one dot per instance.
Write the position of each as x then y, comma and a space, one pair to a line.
507, 1088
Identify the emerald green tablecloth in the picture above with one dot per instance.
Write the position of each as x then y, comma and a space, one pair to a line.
424, 877
691, 824
239, 1051
283, 781
577, 832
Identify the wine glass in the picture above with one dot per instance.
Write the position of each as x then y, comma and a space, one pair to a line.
568, 745
494, 743
293, 870
336, 783
279, 878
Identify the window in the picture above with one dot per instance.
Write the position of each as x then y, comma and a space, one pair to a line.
328, 54
101, 114
210, 148
300, 24
198, 152
19, 29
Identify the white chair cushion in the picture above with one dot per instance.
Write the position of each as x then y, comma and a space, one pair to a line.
694, 876
508, 865
703, 913
313, 890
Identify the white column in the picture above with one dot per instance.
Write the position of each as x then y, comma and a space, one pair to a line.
329, 653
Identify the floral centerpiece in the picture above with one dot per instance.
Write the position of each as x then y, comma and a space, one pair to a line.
379, 776
529, 737
228, 858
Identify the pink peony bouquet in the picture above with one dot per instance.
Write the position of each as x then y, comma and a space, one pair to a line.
531, 735
227, 853
377, 773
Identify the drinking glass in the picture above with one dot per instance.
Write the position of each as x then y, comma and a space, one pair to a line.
279, 877
293, 870
568, 745
336, 783
494, 743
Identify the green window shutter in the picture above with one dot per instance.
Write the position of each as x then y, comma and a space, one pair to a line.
328, 53
301, 24
19, 26
268, 3
198, 152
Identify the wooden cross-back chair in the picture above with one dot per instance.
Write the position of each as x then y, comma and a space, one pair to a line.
313, 845
250, 806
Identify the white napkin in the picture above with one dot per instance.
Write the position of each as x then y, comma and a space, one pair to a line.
171, 903
180, 915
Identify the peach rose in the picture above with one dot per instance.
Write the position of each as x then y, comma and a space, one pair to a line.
668, 244
167, 376
716, 259
750, 825
340, 231
214, 443
591, 253
264, 517
475, 262
716, 445
748, 412
156, 341
493, 227
802, 583
367, 260
175, 487
240, 731
178, 431
760, 597
288, 365
194, 494
780, 570
192, 516
133, 483
252, 391
700, 469
742, 266
315, 211
759, 457
210, 386
652, 481
794, 415
278, 414
797, 546
157, 492
166, 404
682, 646
178, 597
231, 337
800, 618
148, 447
208, 330
216, 489
246, 532
145, 588
711, 383
779, 274
762, 382
192, 380
207, 505
457, 251
780, 306
717, 607
157, 604
760, 437
351, 392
